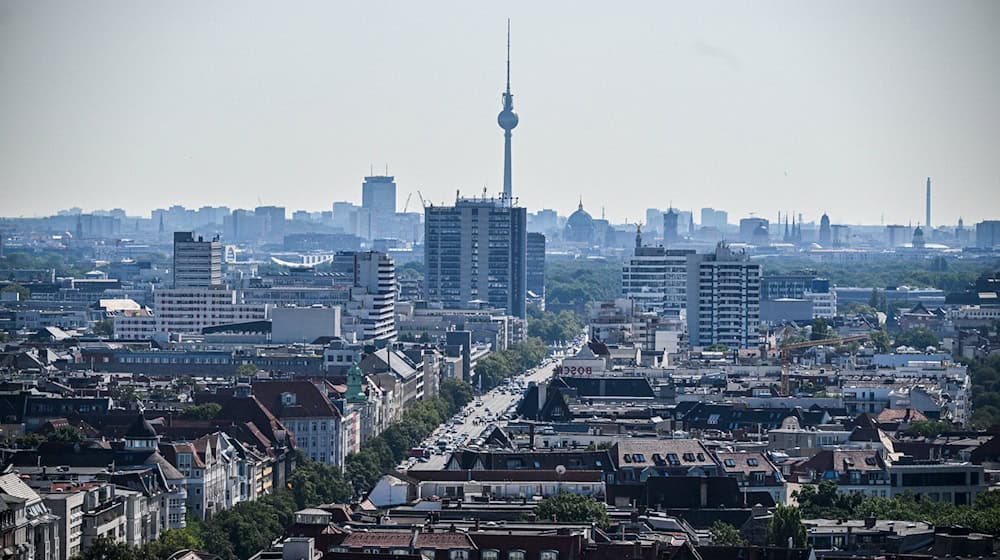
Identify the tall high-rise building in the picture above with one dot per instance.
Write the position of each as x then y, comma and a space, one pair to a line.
372, 302
723, 299
475, 252
507, 119
927, 222
825, 233
988, 234
536, 265
654, 221
655, 279
378, 195
712, 218
197, 263
670, 227
273, 220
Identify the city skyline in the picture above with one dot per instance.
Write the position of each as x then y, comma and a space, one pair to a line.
702, 111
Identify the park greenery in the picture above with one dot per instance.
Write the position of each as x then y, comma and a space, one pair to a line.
248, 527
574, 284
566, 507
825, 501
493, 368
955, 276
917, 337
553, 328
928, 428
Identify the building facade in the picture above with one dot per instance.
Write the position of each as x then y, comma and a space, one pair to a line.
723, 295
475, 253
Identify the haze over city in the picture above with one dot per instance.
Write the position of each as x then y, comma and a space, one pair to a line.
787, 106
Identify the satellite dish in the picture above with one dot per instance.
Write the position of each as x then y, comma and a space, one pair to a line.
560, 470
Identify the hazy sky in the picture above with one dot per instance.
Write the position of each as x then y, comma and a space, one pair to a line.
746, 106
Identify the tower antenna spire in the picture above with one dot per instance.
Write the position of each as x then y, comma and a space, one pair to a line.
508, 56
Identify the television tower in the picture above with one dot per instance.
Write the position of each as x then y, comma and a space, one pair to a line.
927, 222
507, 119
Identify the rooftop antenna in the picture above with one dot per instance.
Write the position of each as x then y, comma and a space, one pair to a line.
387, 170
371, 169
508, 56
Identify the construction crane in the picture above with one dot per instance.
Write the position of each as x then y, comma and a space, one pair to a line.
422, 203
406, 205
786, 350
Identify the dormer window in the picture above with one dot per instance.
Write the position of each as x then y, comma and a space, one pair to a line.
288, 399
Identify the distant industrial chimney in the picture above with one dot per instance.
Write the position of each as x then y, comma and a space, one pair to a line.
927, 222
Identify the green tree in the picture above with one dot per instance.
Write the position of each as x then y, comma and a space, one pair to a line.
105, 328
66, 433
880, 340
917, 337
573, 508
928, 428
206, 411
104, 548
877, 300
724, 534
455, 392
820, 329
786, 523
171, 541
22, 292
246, 370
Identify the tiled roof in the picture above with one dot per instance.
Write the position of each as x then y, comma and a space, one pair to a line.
659, 452
309, 401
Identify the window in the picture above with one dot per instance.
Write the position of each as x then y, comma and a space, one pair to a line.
489, 554
713, 419
870, 461
730, 462
752, 461
638, 457
548, 555
689, 457
516, 555
627, 457
673, 459
701, 456
458, 555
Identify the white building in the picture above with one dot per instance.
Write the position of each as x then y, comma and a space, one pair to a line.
656, 278
373, 297
304, 324
188, 310
723, 296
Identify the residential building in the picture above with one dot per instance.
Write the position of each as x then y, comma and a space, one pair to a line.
655, 278
988, 234
475, 253
307, 411
28, 530
723, 299
535, 263
373, 298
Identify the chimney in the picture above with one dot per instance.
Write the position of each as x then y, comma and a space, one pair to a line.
477, 525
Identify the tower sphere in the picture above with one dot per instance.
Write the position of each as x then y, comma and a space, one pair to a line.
507, 119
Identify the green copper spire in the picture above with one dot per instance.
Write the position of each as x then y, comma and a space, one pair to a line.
355, 393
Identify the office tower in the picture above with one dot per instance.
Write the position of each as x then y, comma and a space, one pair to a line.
723, 299
670, 227
197, 263
507, 119
825, 234
655, 279
988, 234
373, 297
378, 196
927, 222
475, 253
654, 221
536, 266
273, 220
898, 235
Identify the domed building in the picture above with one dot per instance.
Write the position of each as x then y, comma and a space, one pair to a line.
761, 235
580, 226
918, 238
